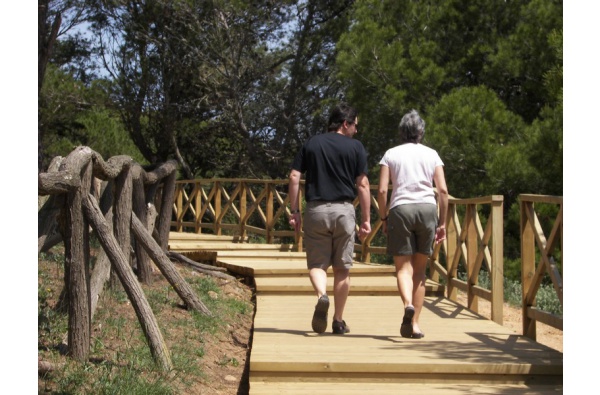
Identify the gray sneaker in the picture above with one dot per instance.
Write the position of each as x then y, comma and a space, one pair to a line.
319, 321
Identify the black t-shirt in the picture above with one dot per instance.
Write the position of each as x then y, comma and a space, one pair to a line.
331, 162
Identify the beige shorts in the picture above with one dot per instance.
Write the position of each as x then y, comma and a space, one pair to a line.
329, 232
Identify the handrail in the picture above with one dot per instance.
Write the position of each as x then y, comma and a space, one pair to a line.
535, 244
248, 207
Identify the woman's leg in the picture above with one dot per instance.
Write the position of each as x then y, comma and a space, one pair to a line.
404, 277
419, 265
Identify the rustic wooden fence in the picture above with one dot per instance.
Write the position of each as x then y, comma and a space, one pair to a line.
260, 209
548, 254
117, 199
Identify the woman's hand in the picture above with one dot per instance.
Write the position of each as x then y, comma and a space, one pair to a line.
440, 234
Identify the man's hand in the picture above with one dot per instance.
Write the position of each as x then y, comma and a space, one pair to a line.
364, 231
296, 221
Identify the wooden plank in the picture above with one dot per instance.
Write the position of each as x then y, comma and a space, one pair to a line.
226, 246
326, 387
201, 236
275, 267
457, 341
372, 284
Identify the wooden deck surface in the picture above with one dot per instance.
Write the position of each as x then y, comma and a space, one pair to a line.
461, 353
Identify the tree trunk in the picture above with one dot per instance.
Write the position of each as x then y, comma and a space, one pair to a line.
122, 216
47, 220
166, 267
202, 268
48, 234
133, 289
166, 210
101, 272
76, 238
144, 270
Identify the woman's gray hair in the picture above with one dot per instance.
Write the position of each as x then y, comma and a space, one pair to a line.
412, 127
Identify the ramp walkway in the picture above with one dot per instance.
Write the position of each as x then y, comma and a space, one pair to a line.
461, 353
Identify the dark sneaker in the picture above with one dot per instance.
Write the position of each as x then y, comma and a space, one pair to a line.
319, 321
406, 329
340, 327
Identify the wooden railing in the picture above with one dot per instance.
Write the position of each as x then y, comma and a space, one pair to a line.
474, 243
535, 246
260, 208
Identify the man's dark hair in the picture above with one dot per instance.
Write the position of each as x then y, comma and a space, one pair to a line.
340, 113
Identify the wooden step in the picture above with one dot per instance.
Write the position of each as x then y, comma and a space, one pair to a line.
328, 385
243, 254
178, 236
459, 346
369, 285
288, 267
210, 245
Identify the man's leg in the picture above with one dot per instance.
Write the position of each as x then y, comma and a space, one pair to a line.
341, 288
318, 278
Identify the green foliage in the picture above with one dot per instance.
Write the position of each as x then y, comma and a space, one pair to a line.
105, 134
73, 114
546, 299
523, 57
474, 133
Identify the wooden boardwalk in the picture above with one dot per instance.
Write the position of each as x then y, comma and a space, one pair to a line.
462, 352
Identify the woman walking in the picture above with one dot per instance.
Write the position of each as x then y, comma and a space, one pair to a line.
412, 222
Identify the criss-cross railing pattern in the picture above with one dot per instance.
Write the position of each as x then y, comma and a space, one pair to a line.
535, 247
476, 248
240, 206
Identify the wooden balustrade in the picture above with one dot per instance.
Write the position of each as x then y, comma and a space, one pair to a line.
535, 247
249, 207
474, 242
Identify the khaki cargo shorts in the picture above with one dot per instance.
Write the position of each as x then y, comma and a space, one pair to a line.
329, 232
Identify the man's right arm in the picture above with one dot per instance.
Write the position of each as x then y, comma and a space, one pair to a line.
293, 189
364, 198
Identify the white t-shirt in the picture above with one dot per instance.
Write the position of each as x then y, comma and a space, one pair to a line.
411, 172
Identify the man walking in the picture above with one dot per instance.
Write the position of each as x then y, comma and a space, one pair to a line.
336, 168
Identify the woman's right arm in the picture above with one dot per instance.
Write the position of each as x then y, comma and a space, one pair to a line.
382, 195
440, 184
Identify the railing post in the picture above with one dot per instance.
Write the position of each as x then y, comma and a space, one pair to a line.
269, 222
472, 246
452, 244
527, 265
243, 208
197, 192
299, 238
179, 207
497, 264
218, 218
